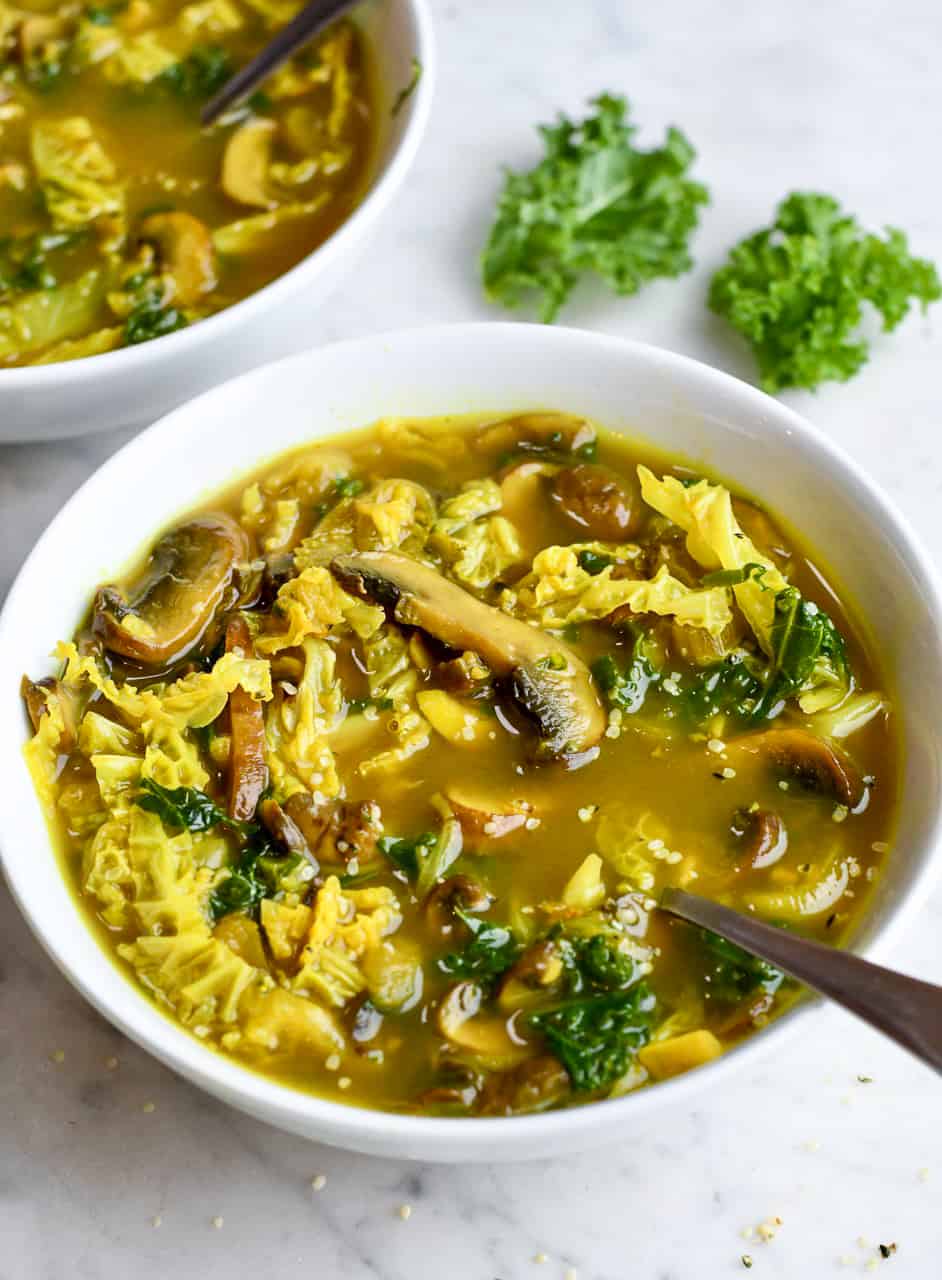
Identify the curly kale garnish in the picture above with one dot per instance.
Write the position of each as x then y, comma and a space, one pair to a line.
797, 291
594, 203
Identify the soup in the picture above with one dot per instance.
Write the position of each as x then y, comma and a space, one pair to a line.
371, 773
122, 219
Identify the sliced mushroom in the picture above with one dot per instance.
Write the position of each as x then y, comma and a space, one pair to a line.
546, 678
248, 772
538, 970
485, 1037
186, 582
533, 1086
539, 433
457, 891
484, 819
281, 827
185, 253
339, 833
36, 696
763, 836
816, 764
245, 164
598, 501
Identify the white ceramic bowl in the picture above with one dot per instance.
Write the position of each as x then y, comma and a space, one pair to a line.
132, 386
677, 403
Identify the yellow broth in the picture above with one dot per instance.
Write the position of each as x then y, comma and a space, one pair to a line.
79, 279
665, 800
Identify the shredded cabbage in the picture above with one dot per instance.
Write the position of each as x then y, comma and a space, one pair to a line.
705, 512
559, 592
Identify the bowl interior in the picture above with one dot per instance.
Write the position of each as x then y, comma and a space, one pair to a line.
675, 403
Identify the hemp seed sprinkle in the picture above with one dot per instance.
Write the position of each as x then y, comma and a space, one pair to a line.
319, 1182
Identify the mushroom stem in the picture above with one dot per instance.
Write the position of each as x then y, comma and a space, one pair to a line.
248, 772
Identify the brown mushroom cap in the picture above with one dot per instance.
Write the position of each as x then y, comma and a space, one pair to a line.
763, 836
598, 501
185, 253
485, 1037
546, 678
456, 891
245, 164
532, 1086
186, 582
539, 433
815, 763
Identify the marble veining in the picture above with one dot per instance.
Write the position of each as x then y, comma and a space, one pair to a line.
99, 1147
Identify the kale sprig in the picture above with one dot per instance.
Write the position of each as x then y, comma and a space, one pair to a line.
594, 203
606, 1016
797, 291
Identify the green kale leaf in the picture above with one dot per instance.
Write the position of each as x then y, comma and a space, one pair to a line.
152, 319
732, 974
183, 808
491, 951
796, 291
628, 687
596, 1039
808, 651
595, 202
200, 74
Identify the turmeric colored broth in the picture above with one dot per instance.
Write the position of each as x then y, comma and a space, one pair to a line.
163, 222
412, 1011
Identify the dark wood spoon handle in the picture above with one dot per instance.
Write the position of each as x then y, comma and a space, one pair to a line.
300, 30
907, 1010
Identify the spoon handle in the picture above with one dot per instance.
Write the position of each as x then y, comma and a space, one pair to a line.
300, 30
905, 1009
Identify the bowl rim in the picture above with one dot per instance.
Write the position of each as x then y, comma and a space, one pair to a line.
360, 1128
377, 195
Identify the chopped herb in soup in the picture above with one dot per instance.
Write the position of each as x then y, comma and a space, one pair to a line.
371, 773
121, 219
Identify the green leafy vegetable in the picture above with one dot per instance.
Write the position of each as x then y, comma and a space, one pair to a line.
796, 291
627, 689
260, 871
404, 94
200, 74
594, 561
808, 651
729, 688
181, 807
24, 260
735, 577
597, 964
407, 852
594, 203
356, 705
152, 319
343, 487
491, 951
731, 974
596, 1039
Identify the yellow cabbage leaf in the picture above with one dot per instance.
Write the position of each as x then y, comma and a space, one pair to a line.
189, 703
559, 591
705, 512
79, 180
475, 543
311, 605
297, 728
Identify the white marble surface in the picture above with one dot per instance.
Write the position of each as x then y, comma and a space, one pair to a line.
844, 97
